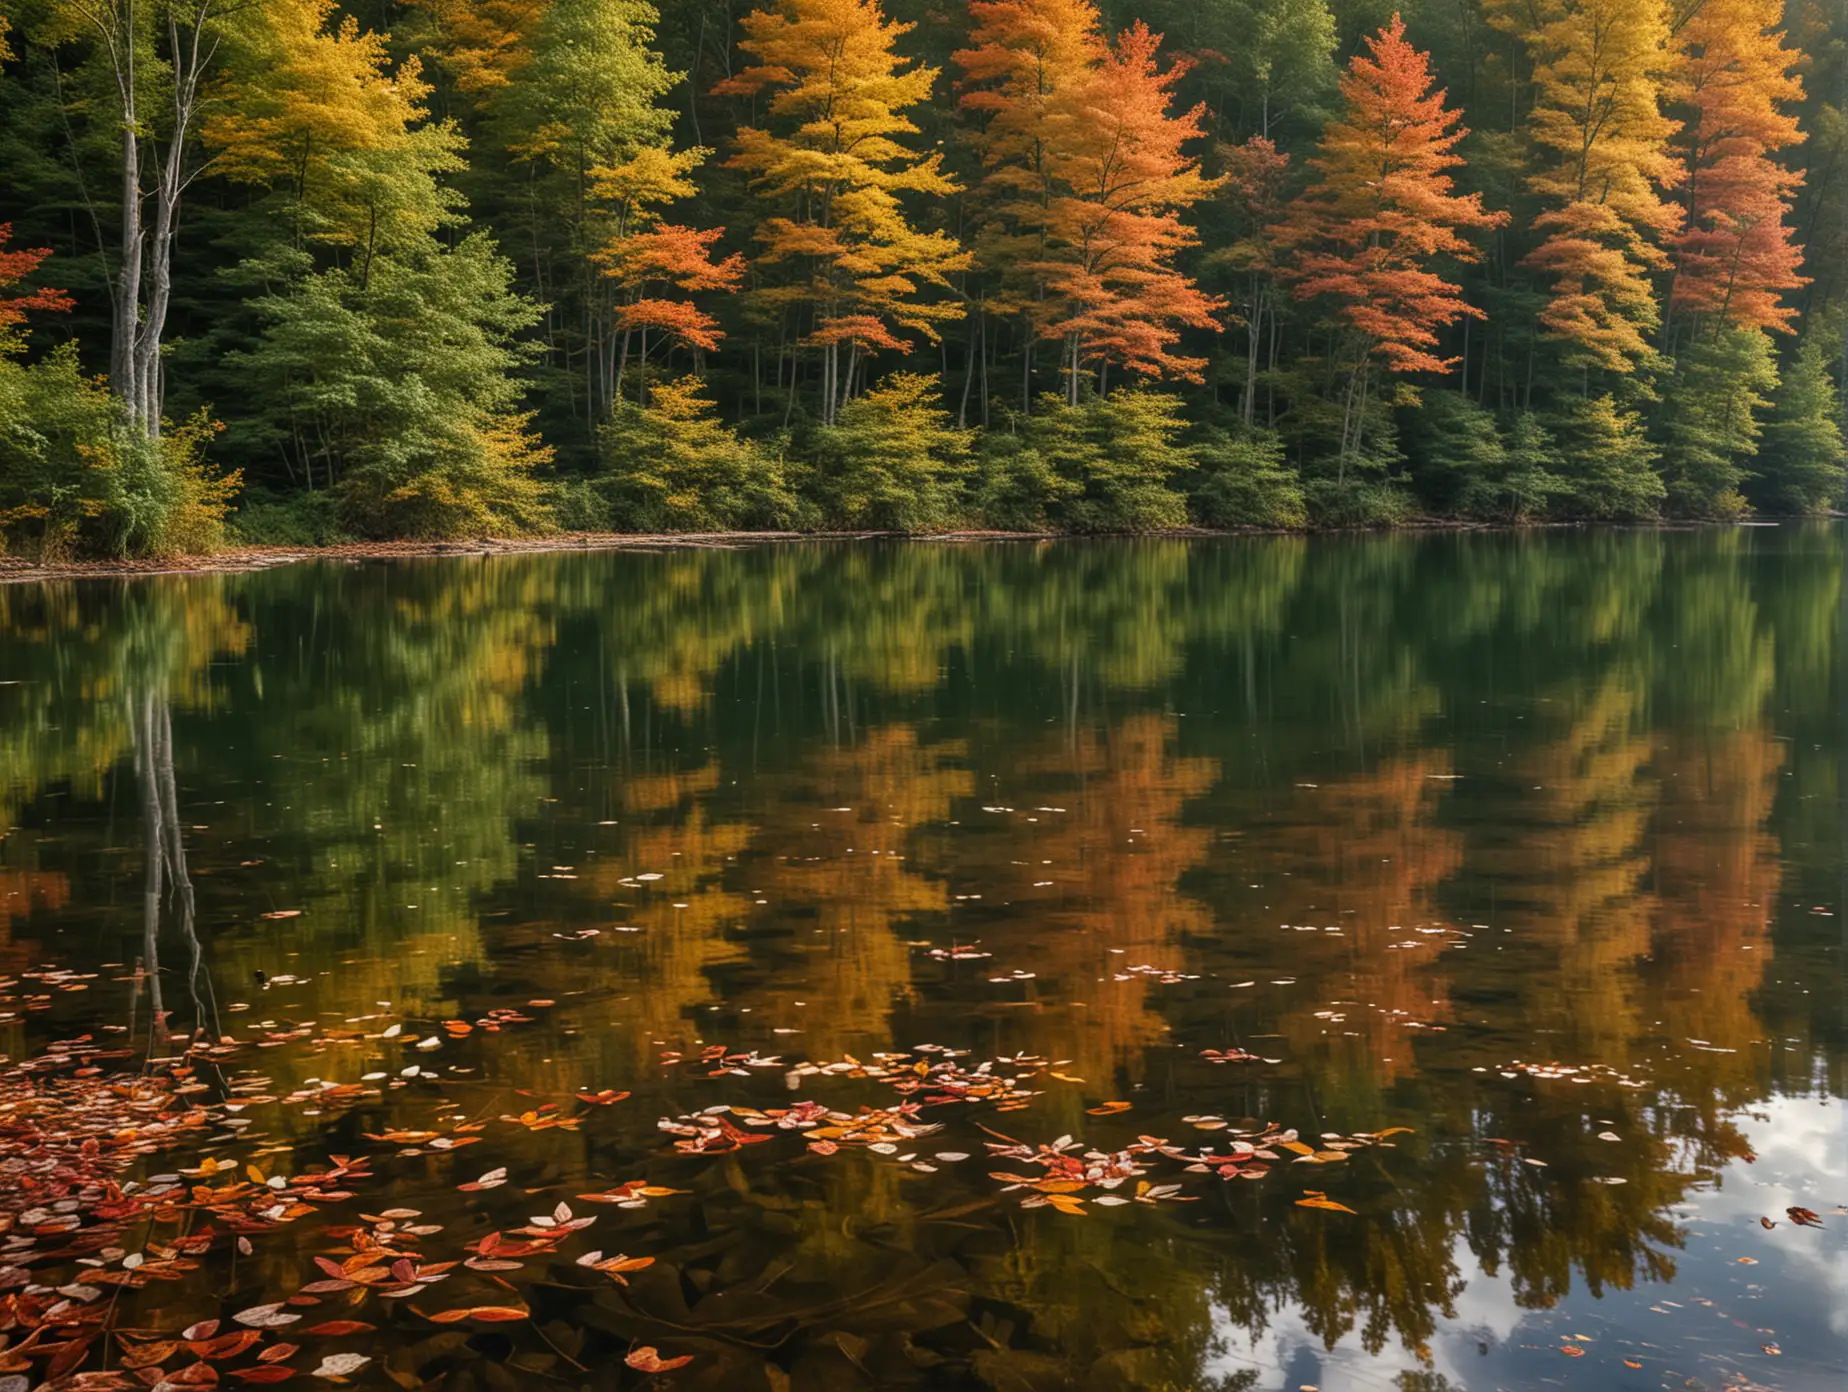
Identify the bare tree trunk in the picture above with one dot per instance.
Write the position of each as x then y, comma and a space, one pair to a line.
144, 284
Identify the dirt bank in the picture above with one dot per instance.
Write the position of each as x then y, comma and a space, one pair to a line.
17, 570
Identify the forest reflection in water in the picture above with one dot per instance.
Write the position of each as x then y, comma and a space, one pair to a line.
1412, 819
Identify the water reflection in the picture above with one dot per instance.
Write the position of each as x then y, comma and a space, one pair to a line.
1409, 816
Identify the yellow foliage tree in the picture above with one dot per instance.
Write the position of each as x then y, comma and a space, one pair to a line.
314, 109
836, 160
1604, 164
481, 43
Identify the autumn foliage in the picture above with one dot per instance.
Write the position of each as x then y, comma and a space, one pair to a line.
1385, 207
1737, 256
835, 161
15, 266
1603, 140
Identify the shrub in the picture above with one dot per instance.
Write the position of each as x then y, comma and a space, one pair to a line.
892, 461
1244, 481
675, 467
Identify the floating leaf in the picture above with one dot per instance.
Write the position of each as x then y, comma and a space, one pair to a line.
266, 1316
339, 1365
1323, 1201
334, 1329
649, 1360
490, 1314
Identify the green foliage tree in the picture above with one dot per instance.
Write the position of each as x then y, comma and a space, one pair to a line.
399, 391
1607, 463
1710, 424
1801, 457
675, 467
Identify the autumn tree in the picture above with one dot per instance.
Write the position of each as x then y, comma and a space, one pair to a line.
1602, 145
479, 44
1114, 227
313, 110
1736, 256
647, 257
587, 100
835, 162
1020, 53
1382, 211
669, 256
15, 267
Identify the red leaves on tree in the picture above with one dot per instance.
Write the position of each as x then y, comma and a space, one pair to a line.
15, 266
1383, 208
1736, 257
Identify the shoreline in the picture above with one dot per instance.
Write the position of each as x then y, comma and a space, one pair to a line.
237, 560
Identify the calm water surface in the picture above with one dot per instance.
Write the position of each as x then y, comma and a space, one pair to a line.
1534, 846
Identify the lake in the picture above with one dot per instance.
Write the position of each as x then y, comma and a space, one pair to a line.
1402, 962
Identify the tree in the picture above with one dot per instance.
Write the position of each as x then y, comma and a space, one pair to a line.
835, 161
313, 111
642, 251
1606, 461
401, 391
1736, 257
1382, 211
1597, 121
1710, 420
680, 257
585, 104
892, 460
675, 468
1254, 186
1113, 227
159, 57
1020, 52
1800, 462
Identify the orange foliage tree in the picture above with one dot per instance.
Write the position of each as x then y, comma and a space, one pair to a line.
1020, 52
837, 161
646, 257
1736, 257
1384, 208
1114, 154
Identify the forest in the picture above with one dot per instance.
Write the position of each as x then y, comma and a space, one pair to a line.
293, 272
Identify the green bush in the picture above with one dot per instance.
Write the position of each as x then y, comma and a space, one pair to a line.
77, 479
1108, 464
1245, 481
289, 519
675, 467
